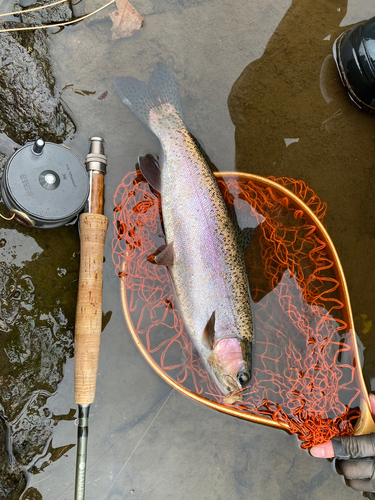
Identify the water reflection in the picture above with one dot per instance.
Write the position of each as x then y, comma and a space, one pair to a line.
38, 272
17, 249
294, 118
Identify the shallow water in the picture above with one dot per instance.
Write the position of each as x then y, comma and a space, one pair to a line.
266, 66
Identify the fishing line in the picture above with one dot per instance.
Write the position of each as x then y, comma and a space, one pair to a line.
8, 218
32, 9
55, 25
139, 442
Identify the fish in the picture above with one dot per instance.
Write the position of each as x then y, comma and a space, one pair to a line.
204, 253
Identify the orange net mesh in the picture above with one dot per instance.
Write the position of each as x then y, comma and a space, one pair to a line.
302, 373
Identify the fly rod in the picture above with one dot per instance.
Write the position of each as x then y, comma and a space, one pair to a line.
88, 325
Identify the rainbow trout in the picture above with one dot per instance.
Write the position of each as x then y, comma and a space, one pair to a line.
203, 251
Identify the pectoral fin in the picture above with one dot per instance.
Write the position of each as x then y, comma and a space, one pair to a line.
209, 332
166, 256
150, 169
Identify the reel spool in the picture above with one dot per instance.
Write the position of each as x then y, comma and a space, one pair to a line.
44, 185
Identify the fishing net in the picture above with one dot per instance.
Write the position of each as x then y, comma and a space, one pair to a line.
305, 362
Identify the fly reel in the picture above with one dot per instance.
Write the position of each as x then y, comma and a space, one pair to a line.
44, 185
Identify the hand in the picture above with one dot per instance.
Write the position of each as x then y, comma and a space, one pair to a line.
355, 458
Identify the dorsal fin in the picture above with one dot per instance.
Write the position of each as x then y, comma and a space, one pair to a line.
209, 332
150, 169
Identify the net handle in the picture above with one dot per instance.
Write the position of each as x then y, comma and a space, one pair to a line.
88, 326
366, 424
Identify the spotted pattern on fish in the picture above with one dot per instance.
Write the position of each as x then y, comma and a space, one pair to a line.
208, 270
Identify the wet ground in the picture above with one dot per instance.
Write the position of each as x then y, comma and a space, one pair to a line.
260, 91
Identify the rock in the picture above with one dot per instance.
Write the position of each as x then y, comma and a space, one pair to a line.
28, 107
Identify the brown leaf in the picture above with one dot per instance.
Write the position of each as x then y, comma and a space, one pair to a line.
126, 20
103, 96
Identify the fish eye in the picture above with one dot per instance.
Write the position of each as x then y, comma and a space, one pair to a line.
243, 377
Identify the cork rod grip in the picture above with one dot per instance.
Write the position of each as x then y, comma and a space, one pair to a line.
93, 228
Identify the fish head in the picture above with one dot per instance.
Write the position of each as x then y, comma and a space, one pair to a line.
230, 363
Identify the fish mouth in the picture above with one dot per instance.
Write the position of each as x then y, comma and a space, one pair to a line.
232, 384
233, 397
234, 391
229, 386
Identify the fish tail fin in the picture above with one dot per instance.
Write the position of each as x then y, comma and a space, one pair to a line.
142, 98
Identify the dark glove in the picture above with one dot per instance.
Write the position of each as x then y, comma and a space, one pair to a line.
356, 460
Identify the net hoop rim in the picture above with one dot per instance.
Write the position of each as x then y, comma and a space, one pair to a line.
231, 410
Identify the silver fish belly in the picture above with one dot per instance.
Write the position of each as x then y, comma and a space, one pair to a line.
204, 253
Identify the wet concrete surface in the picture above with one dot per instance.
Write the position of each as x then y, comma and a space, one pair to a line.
147, 441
